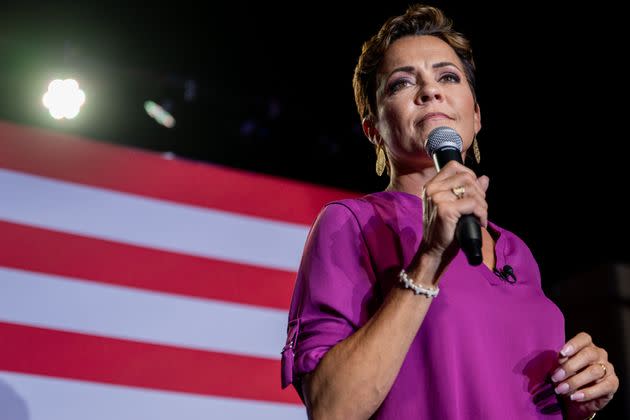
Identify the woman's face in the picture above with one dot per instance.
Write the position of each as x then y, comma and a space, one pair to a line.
421, 85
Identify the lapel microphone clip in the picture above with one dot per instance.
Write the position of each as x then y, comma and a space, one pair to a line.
507, 274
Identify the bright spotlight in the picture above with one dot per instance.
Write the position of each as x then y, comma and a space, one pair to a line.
63, 99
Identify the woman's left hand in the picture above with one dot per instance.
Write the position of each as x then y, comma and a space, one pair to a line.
585, 377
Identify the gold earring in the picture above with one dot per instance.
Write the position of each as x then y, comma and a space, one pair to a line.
476, 151
381, 160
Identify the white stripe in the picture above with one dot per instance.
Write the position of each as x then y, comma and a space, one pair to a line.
112, 311
30, 397
122, 217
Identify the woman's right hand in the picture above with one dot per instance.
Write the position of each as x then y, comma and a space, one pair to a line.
443, 208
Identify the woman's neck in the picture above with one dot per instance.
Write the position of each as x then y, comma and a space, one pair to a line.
412, 182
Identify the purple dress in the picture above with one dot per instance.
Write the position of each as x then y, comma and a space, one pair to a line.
486, 347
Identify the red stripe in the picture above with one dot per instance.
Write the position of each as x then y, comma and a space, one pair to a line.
68, 255
84, 357
85, 161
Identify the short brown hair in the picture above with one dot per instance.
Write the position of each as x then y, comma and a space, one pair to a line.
417, 20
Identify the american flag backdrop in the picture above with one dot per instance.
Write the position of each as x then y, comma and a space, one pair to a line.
137, 286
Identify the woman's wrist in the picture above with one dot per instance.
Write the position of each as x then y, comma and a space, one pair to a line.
427, 266
424, 270
408, 283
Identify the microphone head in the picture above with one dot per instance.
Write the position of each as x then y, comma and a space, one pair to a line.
441, 138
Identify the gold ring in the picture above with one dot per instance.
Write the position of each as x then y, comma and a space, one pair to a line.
459, 192
603, 367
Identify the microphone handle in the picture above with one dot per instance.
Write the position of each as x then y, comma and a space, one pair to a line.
444, 155
468, 234
468, 229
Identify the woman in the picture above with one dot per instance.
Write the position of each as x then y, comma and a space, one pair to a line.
388, 318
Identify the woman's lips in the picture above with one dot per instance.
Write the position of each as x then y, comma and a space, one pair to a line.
434, 116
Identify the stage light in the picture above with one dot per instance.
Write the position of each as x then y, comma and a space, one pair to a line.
63, 99
159, 114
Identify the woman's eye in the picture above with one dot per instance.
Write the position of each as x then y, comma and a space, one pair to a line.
396, 85
450, 77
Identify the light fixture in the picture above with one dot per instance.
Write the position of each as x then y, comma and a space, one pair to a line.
63, 99
159, 114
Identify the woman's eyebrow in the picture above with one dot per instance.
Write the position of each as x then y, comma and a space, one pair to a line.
445, 64
410, 69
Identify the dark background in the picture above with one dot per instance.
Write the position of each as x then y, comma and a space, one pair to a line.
267, 88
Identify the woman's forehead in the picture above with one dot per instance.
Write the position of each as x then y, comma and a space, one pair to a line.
410, 50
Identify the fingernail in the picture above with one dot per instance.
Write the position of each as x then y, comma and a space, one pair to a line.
558, 375
562, 388
578, 396
567, 350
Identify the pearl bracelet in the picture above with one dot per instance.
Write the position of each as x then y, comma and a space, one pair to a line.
417, 289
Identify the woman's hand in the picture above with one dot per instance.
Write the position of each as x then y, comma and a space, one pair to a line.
585, 378
443, 207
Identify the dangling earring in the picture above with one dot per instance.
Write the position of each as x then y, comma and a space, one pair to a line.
476, 151
381, 160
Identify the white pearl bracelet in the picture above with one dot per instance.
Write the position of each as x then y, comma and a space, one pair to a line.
417, 289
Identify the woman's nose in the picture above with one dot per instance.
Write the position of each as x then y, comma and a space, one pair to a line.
429, 92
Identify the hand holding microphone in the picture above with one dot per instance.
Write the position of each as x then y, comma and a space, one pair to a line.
454, 200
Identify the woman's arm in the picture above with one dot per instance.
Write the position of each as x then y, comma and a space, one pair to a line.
354, 377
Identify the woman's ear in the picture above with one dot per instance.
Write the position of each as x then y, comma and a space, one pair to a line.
477, 118
369, 129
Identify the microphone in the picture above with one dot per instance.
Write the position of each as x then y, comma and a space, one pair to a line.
506, 274
444, 145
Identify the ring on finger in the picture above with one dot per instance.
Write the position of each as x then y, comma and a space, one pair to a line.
459, 192
603, 367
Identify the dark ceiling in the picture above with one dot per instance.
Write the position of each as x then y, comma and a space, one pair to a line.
267, 88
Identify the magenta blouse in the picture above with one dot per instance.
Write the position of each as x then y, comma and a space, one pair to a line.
486, 347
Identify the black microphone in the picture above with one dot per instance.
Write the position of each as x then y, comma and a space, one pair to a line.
444, 145
506, 274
